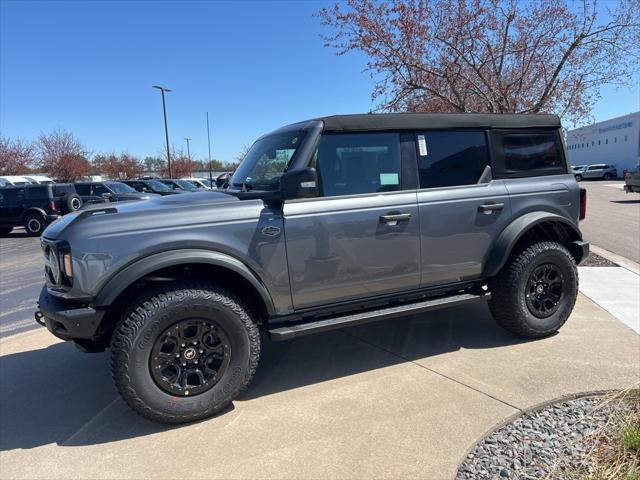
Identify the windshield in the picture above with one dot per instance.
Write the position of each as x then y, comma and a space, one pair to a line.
266, 161
119, 187
158, 186
186, 184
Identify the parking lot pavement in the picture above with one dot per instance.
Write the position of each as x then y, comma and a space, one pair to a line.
21, 278
395, 399
613, 218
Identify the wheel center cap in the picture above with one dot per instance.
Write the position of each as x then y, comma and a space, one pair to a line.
189, 353
540, 289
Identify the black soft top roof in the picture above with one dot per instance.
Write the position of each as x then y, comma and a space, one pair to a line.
416, 121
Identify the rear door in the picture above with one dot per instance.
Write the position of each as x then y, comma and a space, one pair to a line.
594, 171
360, 237
461, 211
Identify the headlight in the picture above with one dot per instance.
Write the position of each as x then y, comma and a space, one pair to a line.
54, 266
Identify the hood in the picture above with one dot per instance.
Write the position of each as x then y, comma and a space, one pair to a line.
158, 213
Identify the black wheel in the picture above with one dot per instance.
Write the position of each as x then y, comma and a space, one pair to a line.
534, 294
182, 354
34, 224
607, 176
71, 202
579, 178
5, 231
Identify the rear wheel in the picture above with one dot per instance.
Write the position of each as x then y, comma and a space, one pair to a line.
4, 231
184, 353
534, 294
34, 224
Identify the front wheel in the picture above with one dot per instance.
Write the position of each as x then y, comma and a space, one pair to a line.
607, 176
184, 353
534, 294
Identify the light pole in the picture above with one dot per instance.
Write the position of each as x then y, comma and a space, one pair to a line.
166, 129
188, 151
209, 144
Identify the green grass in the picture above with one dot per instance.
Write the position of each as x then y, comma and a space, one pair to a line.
631, 438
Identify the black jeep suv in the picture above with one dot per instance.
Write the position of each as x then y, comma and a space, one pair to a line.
35, 206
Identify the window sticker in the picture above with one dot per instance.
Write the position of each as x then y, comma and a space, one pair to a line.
422, 145
389, 179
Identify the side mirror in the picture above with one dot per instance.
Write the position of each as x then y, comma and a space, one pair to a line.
106, 195
300, 183
223, 180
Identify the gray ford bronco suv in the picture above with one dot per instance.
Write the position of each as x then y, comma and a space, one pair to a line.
327, 223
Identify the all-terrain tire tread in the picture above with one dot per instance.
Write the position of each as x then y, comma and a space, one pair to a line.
135, 318
505, 304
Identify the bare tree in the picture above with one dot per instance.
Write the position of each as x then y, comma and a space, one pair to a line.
489, 55
242, 153
62, 155
16, 156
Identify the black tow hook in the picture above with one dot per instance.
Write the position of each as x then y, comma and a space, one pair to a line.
39, 317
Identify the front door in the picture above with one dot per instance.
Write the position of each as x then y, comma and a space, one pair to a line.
462, 210
360, 238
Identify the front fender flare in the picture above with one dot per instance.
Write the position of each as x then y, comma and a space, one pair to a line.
115, 285
508, 238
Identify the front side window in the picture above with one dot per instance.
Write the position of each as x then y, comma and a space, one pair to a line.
98, 190
358, 163
528, 153
452, 158
266, 161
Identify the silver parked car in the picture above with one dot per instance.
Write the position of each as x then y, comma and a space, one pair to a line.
597, 171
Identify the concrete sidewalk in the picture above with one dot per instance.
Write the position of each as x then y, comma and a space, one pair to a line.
396, 399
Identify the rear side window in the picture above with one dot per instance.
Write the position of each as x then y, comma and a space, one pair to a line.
14, 194
83, 189
358, 163
38, 193
60, 189
451, 158
527, 153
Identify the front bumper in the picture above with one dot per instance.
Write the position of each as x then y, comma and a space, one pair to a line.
65, 320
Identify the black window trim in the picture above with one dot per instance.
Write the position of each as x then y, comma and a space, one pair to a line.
494, 138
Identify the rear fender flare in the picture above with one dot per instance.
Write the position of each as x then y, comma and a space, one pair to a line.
31, 210
117, 283
508, 238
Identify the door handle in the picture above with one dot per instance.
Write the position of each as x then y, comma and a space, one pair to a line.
394, 218
490, 207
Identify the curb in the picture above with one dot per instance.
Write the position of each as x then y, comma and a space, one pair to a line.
523, 411
624, 262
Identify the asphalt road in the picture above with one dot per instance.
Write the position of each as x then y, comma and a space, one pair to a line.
613, 218
613, 223
21, 277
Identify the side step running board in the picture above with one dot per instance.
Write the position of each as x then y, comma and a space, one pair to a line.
300, 329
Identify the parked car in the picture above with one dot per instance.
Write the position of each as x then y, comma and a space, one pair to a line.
150, 186
15, 180
35, 206
598, 171
36, 179
327, 223
200, 182
632, 182
112, 191
176, 184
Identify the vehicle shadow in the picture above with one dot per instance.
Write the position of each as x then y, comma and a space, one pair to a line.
626, 201
61, 395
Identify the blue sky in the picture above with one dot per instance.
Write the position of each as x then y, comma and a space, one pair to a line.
88, 67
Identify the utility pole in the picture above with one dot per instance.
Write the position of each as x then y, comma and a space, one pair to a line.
209, 144
166, 128
188, 151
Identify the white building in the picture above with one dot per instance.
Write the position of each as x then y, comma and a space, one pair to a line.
614, 142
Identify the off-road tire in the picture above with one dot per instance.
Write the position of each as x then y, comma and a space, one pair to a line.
71, 202
508, 303
5, 231
34, 224
136, 333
